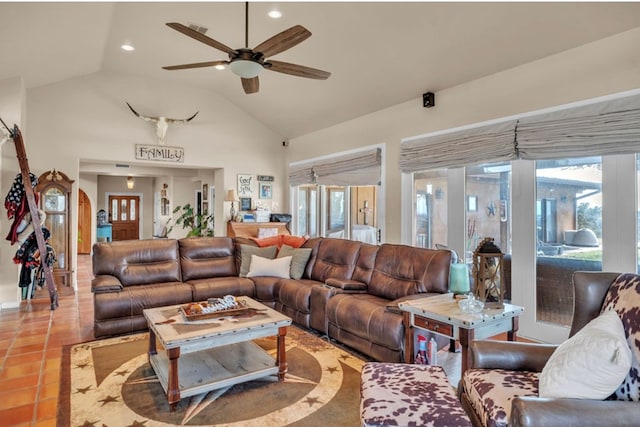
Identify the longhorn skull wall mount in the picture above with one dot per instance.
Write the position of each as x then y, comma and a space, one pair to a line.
162, 123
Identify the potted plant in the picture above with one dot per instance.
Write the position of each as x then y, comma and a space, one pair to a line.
198, 224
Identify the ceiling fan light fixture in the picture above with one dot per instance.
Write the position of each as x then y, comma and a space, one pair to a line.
245, 68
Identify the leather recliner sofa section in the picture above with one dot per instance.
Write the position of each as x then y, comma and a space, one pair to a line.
349, 290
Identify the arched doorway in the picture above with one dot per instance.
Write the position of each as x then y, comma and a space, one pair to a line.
84, 223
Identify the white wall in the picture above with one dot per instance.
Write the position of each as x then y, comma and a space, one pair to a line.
12, 112
603, 67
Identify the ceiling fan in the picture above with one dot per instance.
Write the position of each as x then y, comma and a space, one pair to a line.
249, 63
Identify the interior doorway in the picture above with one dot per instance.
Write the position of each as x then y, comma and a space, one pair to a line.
84, 223
124, 215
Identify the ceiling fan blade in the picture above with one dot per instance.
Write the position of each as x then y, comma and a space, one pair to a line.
200, 37
283, 41
297, 70
251, 85
195, 65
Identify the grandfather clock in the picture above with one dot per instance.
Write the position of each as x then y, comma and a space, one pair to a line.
54, 189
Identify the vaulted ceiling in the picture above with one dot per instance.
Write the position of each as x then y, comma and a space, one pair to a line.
380, 54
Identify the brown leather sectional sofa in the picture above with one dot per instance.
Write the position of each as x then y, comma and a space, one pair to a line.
349, 290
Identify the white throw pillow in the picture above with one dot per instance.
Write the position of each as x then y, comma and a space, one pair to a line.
590, 365
278, 267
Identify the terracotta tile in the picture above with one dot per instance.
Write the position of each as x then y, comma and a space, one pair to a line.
20, 397
49, 391
47, 409
51, 422
20, 382
15, 350
17, 416
19, 370
35, 357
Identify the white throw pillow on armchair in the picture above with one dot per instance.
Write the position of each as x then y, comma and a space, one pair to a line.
590, 365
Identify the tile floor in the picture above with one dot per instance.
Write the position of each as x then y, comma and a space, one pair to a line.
31, 340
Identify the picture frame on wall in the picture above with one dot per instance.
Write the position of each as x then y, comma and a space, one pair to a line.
245, 185
245, 203
205, 192
266, 190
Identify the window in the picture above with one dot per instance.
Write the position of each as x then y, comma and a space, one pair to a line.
430, 199
488, 189
307, 210
335, 210
569, 231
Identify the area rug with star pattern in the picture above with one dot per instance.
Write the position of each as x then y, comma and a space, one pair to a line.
109, 383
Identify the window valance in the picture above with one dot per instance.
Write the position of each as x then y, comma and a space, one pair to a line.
483, 144
610, 126
360, 168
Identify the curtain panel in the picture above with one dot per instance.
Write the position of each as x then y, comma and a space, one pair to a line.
361, 168
482, 144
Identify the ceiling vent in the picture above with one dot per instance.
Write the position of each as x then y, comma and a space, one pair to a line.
198, 28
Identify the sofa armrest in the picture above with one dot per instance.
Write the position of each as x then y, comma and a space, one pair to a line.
514, 356
535, 411
105, 283
346, 284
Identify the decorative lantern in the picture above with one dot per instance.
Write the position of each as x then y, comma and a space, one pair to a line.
488, 274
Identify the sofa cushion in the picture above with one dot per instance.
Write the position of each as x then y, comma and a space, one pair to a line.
402, 270
589, 365
490, 392
138, 262
245, 256
206, 257
366, 317
624, 297
335, 258
299, 259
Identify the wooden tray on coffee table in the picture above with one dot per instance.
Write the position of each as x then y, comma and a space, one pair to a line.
242, 309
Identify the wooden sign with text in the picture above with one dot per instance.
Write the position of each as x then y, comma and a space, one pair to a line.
163, 153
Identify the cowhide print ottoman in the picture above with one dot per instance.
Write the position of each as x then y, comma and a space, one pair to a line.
399, 394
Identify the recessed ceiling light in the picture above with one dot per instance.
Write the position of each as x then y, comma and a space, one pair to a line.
220, 67
128, 47
275, 14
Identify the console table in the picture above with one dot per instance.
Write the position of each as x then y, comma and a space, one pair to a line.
442, 315
250, 229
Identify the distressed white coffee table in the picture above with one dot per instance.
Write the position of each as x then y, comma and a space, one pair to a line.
203, 355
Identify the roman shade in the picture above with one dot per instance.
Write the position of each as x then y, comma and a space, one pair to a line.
359, 168
482, 144
301, 174
607, 127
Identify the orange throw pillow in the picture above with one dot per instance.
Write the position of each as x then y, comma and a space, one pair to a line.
293, 241
268, 241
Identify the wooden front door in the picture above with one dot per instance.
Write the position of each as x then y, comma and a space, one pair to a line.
124, 217
84, 223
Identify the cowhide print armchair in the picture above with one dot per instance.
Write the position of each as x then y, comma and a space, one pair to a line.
501, 386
